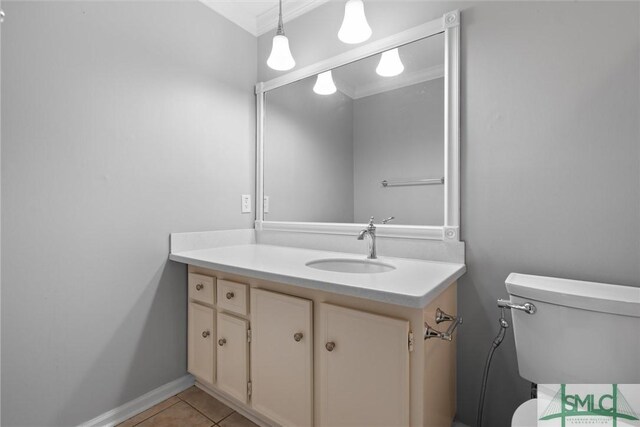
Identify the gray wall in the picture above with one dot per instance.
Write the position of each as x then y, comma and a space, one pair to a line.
550, 153
308, 154
399, 134
122, 122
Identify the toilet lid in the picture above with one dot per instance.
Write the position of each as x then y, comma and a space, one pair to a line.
526, 415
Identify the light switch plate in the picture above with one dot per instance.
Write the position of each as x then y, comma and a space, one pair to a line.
246, 203
265, 205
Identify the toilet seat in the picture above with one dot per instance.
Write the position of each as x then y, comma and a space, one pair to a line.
526, 415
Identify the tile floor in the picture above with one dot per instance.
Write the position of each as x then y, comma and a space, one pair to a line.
191, 408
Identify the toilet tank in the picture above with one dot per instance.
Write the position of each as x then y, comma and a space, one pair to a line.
581, 332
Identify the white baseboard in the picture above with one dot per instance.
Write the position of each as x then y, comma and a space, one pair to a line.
142, 403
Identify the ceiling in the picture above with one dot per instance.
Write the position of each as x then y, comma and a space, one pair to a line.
261, 16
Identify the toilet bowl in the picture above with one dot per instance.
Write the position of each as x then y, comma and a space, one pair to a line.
526, 414
555, 340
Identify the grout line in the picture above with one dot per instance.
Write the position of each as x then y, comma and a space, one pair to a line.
201, 413
215, 424
232, 412
157, 413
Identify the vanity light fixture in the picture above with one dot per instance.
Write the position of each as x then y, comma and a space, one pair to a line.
355, 28
280, 58
390, 64
324, 84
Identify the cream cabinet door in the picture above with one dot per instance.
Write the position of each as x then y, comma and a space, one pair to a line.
281, 357
201, 338
232, 356
364, 369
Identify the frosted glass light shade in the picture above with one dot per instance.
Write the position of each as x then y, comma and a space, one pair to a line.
390, 64
324, 84
355, 28
281, 58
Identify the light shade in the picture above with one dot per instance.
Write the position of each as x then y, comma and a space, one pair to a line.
324, 84
281, 58
390, 64
355, 28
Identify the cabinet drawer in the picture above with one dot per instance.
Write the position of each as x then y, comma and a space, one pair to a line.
232, 296
201, 339
232, 357
201, 288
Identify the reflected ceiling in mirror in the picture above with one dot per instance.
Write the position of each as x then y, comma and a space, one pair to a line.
350, 144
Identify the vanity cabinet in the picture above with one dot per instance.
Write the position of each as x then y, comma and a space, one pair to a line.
364, 369
282, 358
232, 357
285, 355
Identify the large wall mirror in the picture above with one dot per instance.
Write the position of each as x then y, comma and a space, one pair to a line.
372, 132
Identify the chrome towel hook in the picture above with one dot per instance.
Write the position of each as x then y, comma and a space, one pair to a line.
440, 317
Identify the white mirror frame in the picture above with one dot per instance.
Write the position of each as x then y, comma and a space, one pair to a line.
449, 24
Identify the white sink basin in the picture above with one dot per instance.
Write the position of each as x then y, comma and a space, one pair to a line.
350, 265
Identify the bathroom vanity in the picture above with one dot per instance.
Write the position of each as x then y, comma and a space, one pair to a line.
290, 323
288, 344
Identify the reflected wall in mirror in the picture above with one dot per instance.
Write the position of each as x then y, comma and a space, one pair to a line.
327, 150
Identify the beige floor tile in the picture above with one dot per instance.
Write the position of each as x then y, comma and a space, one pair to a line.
178, 415
237, 420
209, 406
149, 412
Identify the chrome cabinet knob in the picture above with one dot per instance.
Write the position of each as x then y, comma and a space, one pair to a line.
205, 334
222, 341
298, 336
199, 287
330, 346
230, 295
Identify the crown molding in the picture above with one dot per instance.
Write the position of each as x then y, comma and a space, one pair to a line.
345, 88
407, 79
266, 21
291, 9
238, 16
385, 85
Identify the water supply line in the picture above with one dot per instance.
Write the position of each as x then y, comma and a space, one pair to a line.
495, 344
528, 308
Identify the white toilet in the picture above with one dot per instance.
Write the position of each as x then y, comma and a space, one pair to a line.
579, 333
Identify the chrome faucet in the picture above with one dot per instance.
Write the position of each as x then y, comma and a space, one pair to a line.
370, 233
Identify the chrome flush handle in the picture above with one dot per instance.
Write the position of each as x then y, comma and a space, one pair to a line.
527, 307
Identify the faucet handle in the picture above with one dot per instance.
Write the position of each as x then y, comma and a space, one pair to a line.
384, 221
371, 222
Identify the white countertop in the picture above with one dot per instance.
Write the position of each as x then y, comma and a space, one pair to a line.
414, 283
